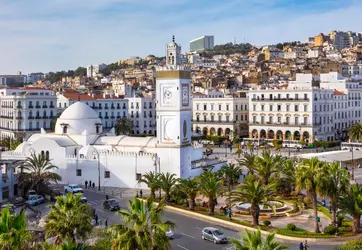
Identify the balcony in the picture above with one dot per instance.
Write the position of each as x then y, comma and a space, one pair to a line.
281, 99
37, 106
37, 117
112, 107
106, 117
118, 107
30, 106
51, 106
287, 124
106, 107
45, 117
214, 122
100, 107
124, 107
45, 106
19, 117
137, 116
118, 116
112, 117
100, 117
30, 117
6, 117
19, 106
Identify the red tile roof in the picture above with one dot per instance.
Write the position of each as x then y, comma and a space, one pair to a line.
78, 96
337, 92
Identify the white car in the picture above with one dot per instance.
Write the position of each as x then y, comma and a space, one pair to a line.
73, 188
83, 199
35, 200
11, 207
31, 193
170, 234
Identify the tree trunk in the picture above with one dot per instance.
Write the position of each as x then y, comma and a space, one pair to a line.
191, 204
315, 212
167, 197
211, 206
356, 224
254, 211
153, 196
334, 211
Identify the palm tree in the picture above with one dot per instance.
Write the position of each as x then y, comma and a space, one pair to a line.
249, 161
123, 126
66, 245
287, 179
38, 173
254, 241
68, 215
355, 132
254, 193
152, 180
266, 166
334, 183
143, 228
351, 203
308, 176
13, 233
167, 182
210, 186
190, 187
231, 173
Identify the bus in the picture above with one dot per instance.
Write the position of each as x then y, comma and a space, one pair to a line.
357, 146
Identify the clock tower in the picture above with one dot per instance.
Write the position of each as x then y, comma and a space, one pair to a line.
173, 101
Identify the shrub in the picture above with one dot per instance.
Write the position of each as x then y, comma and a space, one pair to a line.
307, 201
329, 230
340, 219
354, 244
291, 227
266, 223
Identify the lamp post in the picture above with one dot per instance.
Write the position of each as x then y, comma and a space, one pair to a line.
352, 163
336, 208
96, 154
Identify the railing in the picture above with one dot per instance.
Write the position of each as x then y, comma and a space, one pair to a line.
6, 117
285, 124
100, 117
19, 106
37, 117
45, 117
112, 116
30, 117
19, 117
45, 106
106, 117
214, 122
124, 107
280, 99
30, 106
112, 107
118, 116
51, 106
118, 107
106, 107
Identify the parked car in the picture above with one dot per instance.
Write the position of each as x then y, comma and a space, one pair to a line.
11, 206
111, 205
83, 199
31, 193
170, 234
73, 188
213, 234
35, 200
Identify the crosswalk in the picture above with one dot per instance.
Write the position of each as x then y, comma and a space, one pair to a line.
96, 202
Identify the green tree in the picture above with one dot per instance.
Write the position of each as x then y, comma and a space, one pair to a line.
249, 161
231, 173
351, 203
66, 245
254, 241
13, 233
143, 228
210, 186
308, 176
68, 215
287, 180
53, 122
167, 182
80, 71
334, 183
152, 181
355, 132
37, 173
254, 193
266, 166
190, 187
123, 126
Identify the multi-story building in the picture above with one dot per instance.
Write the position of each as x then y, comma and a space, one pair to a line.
9, 80
202, 43
93, 70
272, 53
26, 110
121, 88
142, 112
220, 115
319, 40
109, 107
351, 69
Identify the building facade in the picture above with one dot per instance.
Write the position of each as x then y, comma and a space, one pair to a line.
202, 43
93, 70
142, 112
26, 110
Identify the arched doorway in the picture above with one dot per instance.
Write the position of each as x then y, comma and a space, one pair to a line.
219, 131
254, 133
306, 137
297, 135
271, 134
227, 131
262, 134
204, 131
288, 135
198, 130
212, 131
279, 135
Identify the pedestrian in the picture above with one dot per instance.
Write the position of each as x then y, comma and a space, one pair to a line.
86, 184
137, 194
306, 246
96, 218
323, 202
141, 193
301, 246
229, 210
90, 183
106, 223
93, 185
107, 197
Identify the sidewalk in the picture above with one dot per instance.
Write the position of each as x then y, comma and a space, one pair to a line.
116, 192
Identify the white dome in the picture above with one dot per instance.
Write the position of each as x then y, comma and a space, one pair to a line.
78, 111
78, 119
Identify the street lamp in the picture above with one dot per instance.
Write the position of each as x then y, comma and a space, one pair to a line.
96, 154
352, 163
336, 208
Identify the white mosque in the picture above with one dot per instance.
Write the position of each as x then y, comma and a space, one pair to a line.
83, 151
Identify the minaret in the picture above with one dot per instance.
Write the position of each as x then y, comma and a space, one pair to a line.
173, 101
173, 52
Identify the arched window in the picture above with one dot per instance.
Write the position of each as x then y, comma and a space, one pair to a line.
51, 114
37, 113
44, 125
30, 113
44, 114
30, 125
65, 129
42, 153
47, 155
37, 125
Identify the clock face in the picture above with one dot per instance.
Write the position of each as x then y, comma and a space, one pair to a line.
167, 94
185, 95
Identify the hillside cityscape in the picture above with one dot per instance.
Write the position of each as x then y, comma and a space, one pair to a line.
229, 146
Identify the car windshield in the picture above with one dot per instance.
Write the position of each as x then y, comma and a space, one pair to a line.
113, 202
32, 193
33, 198
74, 186
217, 232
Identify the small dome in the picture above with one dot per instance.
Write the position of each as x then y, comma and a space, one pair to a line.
78, 111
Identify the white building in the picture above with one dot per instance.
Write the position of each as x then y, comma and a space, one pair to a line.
142, 112
93, 70
314, 53
26, 110
222, 116
121, 88
349, 69
109, 107
82, 151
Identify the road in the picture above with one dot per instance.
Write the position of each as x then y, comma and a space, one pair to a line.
187, 232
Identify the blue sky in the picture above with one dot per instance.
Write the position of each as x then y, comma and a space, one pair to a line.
50, 35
